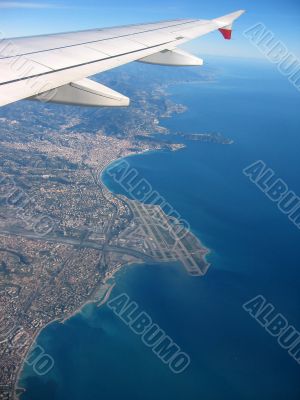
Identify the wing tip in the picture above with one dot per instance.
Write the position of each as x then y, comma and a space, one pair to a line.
227, 33
225, 23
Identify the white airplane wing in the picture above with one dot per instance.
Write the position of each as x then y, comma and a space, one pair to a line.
55, 67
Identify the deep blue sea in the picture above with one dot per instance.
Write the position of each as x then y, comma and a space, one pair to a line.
254, 250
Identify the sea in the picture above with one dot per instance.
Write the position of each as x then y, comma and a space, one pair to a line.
254, 251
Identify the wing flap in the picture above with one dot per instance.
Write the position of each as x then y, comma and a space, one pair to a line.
175, 57
84, 93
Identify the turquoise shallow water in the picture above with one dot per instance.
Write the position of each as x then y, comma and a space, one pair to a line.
254, 251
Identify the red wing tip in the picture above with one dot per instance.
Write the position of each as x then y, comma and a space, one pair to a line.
226, 33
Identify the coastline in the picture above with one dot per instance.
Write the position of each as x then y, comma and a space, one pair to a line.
111, 274
235, 279
207, 250
92, 300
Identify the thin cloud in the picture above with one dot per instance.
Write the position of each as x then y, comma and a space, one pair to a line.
28, 5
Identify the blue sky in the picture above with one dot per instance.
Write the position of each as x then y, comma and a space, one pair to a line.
21, 18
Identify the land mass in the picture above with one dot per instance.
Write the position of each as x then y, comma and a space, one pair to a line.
63, 234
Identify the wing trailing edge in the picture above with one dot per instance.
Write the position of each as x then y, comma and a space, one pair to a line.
84, 93
176, 57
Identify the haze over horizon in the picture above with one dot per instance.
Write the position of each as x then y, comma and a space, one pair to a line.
23, 18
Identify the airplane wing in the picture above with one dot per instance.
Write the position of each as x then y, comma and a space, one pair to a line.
55, 67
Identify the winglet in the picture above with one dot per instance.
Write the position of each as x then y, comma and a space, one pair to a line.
225, 23
226, 32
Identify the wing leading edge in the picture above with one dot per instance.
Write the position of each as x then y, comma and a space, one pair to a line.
55, 66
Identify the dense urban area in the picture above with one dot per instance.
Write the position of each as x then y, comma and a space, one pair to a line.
63, 234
